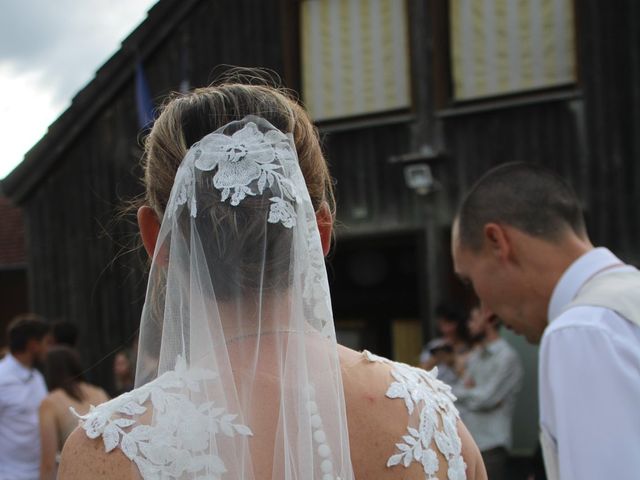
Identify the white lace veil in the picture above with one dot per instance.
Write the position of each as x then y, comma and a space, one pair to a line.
238, 371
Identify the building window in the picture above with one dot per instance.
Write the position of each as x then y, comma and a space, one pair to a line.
355, 57
501, 47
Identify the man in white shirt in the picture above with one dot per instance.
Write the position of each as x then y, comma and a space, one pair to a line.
487, 391
22, 389
519, 237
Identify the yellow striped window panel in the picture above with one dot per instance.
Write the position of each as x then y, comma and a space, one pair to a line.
509, 46
355, 57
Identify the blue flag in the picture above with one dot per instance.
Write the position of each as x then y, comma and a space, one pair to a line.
144, 103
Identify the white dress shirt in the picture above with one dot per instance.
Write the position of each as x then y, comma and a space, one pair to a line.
487, 408
590, 380
22, 390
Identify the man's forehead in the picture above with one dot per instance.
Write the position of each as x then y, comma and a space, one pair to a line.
455, 229
463, 258
455, 239
458, 265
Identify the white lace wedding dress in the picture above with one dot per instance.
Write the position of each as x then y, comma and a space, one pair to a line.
172, 448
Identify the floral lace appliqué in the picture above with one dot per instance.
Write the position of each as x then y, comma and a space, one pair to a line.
432, 400
178, 441
247, 162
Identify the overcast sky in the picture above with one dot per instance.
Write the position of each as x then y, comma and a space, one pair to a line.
49, 50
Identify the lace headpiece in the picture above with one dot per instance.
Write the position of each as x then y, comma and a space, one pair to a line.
246, 162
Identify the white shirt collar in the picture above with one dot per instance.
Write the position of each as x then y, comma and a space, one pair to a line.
572, 280
22, 372
495, 346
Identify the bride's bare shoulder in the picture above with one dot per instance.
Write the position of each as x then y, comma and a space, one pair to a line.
403, 423
83, 457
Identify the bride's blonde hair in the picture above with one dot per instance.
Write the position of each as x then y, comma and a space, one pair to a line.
186, 118
236, 241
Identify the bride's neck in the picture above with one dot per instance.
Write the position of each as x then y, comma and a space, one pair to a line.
257, 316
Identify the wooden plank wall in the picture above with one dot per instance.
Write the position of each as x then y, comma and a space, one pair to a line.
77, 271
592, 140
371, 191
611, 57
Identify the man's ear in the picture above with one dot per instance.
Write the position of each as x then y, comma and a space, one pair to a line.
149, 228
497, 240
325, 226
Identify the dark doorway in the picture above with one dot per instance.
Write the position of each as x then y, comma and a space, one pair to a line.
375, 291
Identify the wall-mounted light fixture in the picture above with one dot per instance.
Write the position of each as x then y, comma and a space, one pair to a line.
419, 178
417, 169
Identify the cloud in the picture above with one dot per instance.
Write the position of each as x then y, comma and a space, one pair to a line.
49, 50
25, 31
25, 112
65, 41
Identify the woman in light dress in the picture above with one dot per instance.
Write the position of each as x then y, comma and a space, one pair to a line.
67, 389
239, 373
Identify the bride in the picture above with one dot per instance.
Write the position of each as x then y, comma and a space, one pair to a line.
239, 375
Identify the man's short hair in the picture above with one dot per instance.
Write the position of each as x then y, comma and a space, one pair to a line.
65, 333
24, 328
526, 196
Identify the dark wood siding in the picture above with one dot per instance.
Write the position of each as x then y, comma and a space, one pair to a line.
78, 269
610, 55
371, 191
591, 138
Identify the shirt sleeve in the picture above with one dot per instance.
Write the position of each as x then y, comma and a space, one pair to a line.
5, 393
589, 404
2, 400
425, 355
489, 394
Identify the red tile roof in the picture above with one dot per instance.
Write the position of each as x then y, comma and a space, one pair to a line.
12, 246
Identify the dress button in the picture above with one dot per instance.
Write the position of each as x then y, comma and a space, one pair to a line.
324, 450
326, 466
319, 436
316, 421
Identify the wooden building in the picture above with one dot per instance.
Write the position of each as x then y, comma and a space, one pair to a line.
414, 99
13, 267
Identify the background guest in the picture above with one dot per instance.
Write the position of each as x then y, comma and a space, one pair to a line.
451, 347
439, 353
487, 391
64, 375
22, 388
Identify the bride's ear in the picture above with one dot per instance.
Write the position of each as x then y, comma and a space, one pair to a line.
325, 226
149, 228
